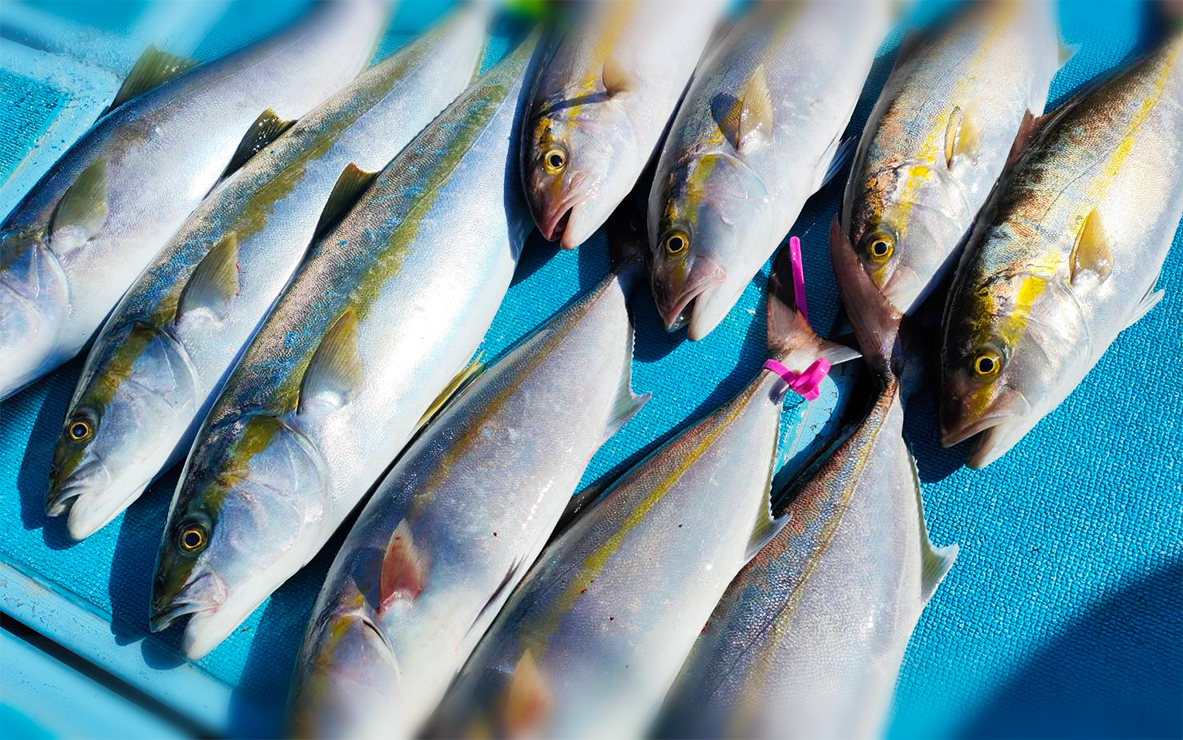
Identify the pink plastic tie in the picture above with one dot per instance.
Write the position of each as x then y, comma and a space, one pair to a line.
806, 384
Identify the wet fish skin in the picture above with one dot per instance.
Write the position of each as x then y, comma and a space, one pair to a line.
730, 182
469, 506
808, 639
156, 367
1065, 255
395, 300
576, 647
919, 177
149, 163
604, 137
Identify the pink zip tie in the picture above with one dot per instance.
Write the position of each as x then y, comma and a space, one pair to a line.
806, 384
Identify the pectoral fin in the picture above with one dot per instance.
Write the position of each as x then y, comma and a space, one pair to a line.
214, 284
267, 128
153, 68
529, 699
962, 136
335, 372
1091, 252
752, 120
84, 205
351, 183
404, 569
616, 79
1066, 52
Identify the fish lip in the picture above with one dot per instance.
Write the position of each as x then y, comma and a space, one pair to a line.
554, 219
61, 494
678, 313
991, 421
182, 605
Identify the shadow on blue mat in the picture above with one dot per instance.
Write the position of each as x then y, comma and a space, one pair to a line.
1093, 691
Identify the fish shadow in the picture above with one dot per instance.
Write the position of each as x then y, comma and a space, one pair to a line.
1083, 684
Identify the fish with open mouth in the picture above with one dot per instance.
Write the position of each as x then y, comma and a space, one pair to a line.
601, 105
590, 642
86, 230
756, 136
808, 639
939, 136
377, 324
162, 355
1065, 254
460, 518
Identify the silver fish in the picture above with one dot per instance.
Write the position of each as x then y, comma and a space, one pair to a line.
162, 355
1065, 255
939, 136
601, 105
88, 228
458, 521
384, 313
808, 639
755, 137
590, 642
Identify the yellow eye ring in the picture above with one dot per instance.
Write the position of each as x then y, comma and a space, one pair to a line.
192, 538
554, 161
676, 243
79, 430
880, 246
987, 363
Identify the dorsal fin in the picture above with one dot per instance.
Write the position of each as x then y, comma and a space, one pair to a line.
502, 589
267, 128
529, 699
755, 112
935, 562
451, 390
616, 78
1091, 253
153, 68
908, 45
214, 284
404, 570
334, 372
351, 183
84, 204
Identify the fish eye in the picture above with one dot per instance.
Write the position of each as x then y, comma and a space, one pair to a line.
676, 243
987, 363
554, 161
880, 246
80, 430
192, 538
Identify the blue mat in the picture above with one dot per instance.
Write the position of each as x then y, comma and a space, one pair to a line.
1062, 618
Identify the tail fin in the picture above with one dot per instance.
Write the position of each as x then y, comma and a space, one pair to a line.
791, 341
876, 323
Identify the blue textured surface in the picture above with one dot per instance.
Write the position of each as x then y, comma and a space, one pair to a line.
1062, 618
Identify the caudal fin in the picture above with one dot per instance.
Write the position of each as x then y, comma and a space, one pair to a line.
876, 323
791, 341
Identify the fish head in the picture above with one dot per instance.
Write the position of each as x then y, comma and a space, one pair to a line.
905, 224
134, 401
249, 508
346, 677
1014, 346
34, 301
707, 238
575, 167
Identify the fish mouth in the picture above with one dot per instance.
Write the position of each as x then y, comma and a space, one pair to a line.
163, 618
676, 313
203, 595
553, 219
62, 493
995, 431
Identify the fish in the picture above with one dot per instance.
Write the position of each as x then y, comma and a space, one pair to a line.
454, 527
807, 641
601, 105
375, 329
1065, 255
589, 643
756, 136
82, 235
939, 136
161, 357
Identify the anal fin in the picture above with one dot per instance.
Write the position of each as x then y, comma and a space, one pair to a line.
935, 562
1149, 301
528, 701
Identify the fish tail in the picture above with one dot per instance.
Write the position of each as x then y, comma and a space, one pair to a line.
791, 340
875, 322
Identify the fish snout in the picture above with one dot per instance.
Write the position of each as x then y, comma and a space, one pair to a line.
90, 477
204, 594
674, 291
553, 208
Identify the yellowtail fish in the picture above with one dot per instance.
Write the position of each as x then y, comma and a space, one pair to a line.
939, 136
807, 640
601, 105
163, 354
1065, 255
591, 641
456, 524
380, 318
756, 136
83, 234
